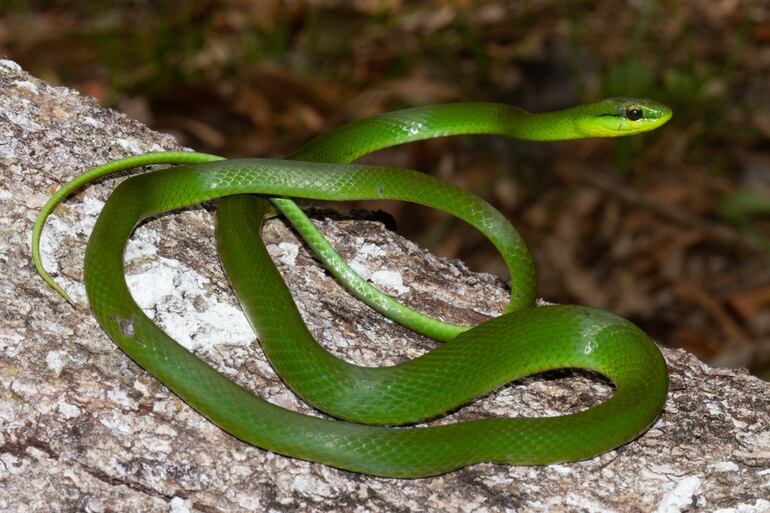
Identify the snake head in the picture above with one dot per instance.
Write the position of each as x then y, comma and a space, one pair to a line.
615, 117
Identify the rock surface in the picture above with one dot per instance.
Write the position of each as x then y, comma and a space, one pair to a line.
82, 428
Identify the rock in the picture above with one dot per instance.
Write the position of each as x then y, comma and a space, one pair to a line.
82, 428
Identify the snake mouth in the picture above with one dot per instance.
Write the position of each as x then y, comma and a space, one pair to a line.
626, 116
655, 112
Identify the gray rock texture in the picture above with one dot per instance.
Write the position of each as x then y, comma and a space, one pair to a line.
82, 428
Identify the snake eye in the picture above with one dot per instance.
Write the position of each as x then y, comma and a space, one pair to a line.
634, 113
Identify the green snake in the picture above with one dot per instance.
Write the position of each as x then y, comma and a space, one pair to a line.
371, 405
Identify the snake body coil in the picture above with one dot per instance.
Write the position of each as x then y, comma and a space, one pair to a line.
523, 341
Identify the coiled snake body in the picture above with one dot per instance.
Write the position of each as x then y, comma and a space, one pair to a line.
523, 341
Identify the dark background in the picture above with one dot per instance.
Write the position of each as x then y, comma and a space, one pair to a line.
669, 229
